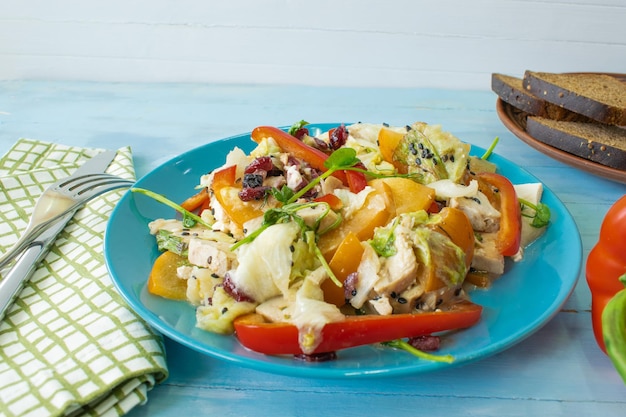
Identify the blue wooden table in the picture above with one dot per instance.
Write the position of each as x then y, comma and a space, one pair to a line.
558, 371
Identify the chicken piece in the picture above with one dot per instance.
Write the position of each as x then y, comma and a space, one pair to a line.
311, 216
381, 305
399, 270
209, 254
487, 257
483, 216
367, 276
406, 301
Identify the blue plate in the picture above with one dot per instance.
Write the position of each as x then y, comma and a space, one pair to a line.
524, 299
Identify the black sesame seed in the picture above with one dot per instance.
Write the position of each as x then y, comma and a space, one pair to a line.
185, 234
401, 300
224, 310
292, 248
353, 293
386, 124
418, 161
214, 275
420, 145
209, 260
451, 158
408, 128
393, 294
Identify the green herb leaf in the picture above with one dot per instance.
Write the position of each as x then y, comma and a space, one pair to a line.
342, 158
283, 195
542, 213
297, 126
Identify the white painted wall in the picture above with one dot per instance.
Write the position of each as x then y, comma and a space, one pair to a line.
387, 43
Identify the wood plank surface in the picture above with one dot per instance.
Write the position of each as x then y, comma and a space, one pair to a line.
558, 371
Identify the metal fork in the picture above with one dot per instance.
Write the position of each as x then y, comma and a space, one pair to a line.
60, 199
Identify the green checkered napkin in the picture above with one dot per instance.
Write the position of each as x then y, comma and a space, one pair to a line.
69, 345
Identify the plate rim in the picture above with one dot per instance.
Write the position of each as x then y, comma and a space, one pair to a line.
308, 371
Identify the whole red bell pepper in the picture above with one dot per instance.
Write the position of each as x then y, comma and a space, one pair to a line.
510, 233
282, 338
606, 263
314, 157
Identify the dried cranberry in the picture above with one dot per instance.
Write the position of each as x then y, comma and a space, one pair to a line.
426, 343
262, 163
233, 291
338, 137
321, 145
292, 161
252, 180
250, 194
302, 132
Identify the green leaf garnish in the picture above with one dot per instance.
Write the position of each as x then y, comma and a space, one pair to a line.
189, 219
297, 126
342, 158
542, 213
283, 195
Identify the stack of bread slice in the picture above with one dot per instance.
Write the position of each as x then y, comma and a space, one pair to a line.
583, 114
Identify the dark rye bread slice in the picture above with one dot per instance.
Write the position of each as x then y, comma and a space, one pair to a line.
598, 96
600, 143
511, 90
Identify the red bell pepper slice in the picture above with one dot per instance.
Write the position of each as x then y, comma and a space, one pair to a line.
510, 233
332, 200
225, 177
314, 157
260, 336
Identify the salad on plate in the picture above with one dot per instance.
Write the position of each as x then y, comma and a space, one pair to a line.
320, 241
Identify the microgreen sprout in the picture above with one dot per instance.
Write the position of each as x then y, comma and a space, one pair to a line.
297, 126
403, 345
189, 219
542, 214
489, 151
341, 159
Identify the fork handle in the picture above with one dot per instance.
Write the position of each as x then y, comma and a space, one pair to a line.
32, 233
13, 282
